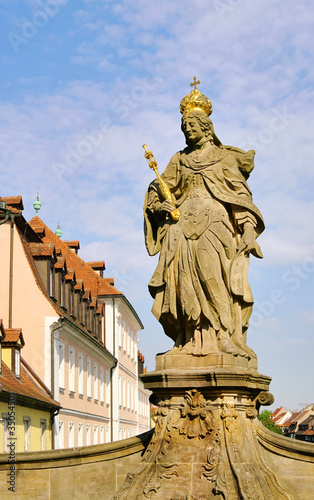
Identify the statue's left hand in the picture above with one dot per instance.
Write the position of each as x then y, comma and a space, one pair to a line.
248, 244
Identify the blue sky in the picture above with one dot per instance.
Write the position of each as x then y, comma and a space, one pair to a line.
84, 83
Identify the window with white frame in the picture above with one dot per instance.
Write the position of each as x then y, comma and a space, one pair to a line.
95, 434
27, 433
81, 373
120, 433
107, 435
43, 433
95, 381
124, 433
61, 435
80, 434
89, 378
71, 369
87, 434
108, 388
102, 434
128, 342
61, 363
132, 345
124, 392
101, 385
128, 395
71, 434
120, 391
135, 348
124, 336
132, 396
17, 362
51, 282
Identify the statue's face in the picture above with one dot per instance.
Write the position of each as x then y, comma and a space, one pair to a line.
192, 130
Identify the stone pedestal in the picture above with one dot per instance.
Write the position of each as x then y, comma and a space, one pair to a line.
204, 445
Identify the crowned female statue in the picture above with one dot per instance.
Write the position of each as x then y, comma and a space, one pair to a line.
201, 293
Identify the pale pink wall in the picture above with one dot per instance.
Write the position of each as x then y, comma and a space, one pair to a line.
30, 306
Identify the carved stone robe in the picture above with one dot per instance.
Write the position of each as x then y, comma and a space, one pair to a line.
200, 276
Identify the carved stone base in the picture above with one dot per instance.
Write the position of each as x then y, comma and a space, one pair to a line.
177, 360
204, 445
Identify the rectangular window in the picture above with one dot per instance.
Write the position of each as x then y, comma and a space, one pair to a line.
135, 348
128, 348
5, 432
124, 336
102, 434
71, 434
120, 391
132, 345
81, 374
124, 393
51, 282
95, 381
89, 378
80, 434
101, 380
107, 435
43, 438
108, 388
61, 435
61, 363
71, 369
27, 433
62, 292
87, 434
128, 395
95, 434
132, 396
17, 362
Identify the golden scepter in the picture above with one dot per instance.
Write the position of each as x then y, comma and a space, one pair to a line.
164, 189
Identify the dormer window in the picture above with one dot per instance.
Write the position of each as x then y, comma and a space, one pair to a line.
51, 282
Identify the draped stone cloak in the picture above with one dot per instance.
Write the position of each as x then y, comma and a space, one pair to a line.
200, 275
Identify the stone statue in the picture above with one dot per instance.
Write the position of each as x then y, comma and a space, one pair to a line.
201, 293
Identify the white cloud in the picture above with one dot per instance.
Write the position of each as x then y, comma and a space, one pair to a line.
131, 65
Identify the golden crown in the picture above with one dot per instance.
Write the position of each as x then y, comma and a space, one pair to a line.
195, 101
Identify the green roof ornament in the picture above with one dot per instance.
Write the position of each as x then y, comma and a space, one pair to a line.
58, 231
37, 204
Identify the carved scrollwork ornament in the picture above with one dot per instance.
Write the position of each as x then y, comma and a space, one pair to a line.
196, 419
264, 399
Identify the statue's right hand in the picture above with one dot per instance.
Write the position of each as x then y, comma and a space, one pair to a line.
166, 206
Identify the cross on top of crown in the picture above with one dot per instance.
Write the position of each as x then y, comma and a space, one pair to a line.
194, 83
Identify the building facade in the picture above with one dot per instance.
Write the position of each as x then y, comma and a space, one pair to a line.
80, 331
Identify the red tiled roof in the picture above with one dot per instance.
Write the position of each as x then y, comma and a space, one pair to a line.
73, 244
15, 202
12, 335
24, 386
98, 265
41, 249
276, 412
92, 281
40, 229
60, 264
